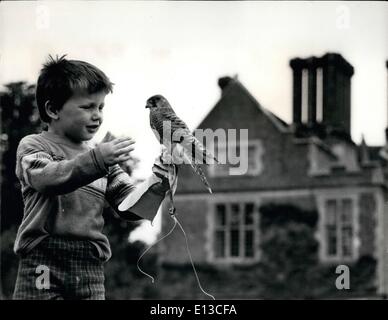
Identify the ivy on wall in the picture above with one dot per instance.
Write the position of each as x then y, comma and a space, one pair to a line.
289, 266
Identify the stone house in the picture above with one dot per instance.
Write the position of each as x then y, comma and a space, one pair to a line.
312, 165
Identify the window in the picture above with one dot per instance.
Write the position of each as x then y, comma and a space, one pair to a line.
339, 232
245, 162
235, 229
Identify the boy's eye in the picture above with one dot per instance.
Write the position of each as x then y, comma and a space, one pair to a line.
89, 107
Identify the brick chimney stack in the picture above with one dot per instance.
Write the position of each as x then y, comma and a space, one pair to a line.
321, 92
386, 129
384, 150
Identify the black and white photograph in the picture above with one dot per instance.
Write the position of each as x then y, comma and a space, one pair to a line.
194, 150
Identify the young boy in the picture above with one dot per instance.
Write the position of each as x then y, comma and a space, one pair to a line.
65, 184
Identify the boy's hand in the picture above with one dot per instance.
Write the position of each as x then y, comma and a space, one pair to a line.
161, 170
117, 150
166, 171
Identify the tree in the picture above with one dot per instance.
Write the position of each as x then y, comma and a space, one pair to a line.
19, 117
290, 264
289, 250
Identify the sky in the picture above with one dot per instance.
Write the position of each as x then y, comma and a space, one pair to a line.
180, 49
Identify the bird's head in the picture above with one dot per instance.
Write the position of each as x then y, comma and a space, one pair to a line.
157, 101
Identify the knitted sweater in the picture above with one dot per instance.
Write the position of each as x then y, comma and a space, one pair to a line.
65, 188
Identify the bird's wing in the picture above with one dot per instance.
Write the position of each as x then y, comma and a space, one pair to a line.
156, 122
192, 148
195, 148
197, 169
156, 131
176, 122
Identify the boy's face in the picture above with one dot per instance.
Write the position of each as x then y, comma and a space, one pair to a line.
81, 116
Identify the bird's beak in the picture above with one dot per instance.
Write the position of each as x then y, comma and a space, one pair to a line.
148, 105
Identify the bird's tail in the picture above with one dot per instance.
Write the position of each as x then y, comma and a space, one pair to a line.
199, 154
207, 157
202, 176
196, 168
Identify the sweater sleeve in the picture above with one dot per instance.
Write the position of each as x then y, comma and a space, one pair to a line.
41, 170
134, 202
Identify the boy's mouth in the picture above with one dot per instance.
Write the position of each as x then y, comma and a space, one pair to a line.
92, 128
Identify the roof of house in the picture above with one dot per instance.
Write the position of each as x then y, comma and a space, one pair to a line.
228, 84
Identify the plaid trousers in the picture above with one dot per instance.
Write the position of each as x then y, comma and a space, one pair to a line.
60, 269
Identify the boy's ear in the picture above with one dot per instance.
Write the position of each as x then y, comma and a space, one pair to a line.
51, 111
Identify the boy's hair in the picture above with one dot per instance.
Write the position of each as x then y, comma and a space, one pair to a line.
60, 78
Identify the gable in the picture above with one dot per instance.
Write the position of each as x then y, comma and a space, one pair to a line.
268, 138
238, 109
279, 161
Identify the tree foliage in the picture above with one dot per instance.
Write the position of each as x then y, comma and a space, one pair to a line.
290, 266
19, 117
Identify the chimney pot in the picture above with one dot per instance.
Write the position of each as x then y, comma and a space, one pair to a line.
224, 82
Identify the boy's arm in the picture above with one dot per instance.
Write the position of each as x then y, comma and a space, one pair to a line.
37, 168
136, 202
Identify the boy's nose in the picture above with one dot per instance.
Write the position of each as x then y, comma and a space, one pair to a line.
97, 115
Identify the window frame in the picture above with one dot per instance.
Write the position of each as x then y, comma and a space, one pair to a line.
259, 152
323, 238
254, 227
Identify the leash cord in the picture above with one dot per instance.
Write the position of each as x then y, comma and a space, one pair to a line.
145, 251
172, 211
191, 259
